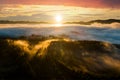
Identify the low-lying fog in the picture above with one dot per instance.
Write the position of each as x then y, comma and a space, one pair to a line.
96, 31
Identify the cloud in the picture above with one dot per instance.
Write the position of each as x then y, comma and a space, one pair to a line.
81, 3
69, 13
111, 3
34, 17
96, 31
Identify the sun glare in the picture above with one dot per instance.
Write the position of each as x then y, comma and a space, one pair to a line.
58, 18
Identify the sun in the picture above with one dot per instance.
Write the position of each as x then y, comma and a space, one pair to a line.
58, 18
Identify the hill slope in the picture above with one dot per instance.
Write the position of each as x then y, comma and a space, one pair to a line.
58, 59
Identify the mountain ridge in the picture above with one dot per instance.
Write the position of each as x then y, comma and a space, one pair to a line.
61, 59
107, 21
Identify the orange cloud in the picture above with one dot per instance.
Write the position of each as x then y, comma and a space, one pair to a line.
81, 3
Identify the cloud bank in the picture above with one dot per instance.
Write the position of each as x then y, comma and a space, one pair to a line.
81, 3
99, 32
48, 13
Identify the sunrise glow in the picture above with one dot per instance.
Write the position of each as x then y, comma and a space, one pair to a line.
58, 18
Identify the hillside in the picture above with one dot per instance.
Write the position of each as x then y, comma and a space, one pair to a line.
52, 59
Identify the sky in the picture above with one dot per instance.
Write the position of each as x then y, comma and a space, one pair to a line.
69, 10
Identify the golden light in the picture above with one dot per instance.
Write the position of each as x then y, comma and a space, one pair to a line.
58, 18
58, 25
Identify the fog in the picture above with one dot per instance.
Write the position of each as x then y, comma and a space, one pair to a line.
96, 31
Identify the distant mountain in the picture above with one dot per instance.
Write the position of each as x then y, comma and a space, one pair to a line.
108, 21
20, 22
